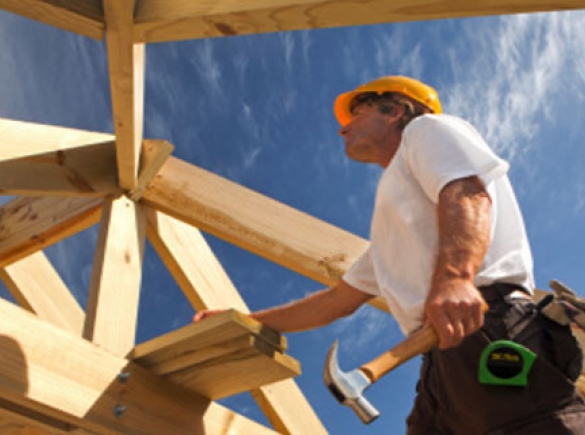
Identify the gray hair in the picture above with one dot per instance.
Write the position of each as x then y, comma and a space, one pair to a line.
387, 101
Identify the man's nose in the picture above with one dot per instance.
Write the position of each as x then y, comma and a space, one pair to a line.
343, 130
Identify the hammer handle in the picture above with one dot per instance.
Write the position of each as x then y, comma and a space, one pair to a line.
416, 343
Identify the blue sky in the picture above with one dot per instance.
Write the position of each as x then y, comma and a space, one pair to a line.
257, 110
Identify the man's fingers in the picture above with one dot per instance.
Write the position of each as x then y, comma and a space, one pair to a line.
205, 314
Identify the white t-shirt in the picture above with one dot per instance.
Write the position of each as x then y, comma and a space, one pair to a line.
398, 265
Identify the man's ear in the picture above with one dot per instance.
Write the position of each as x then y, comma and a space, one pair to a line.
395, 114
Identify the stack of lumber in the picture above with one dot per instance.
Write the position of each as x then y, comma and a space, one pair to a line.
220, 356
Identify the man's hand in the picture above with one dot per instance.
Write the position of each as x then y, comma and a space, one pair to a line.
455, 309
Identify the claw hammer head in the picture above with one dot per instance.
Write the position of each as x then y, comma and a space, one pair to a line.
348, 387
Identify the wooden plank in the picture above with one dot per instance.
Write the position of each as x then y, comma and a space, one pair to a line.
20, 139
112, 307
162, 20
52, 372
126, 67
28, 225
84, 17
154, 154
253, 221
226, 355
236, 372
206, 284
37, 287
217, 329
84, 171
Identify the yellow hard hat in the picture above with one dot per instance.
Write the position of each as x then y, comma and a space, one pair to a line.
410, 87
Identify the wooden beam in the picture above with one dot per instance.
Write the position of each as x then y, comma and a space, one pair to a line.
154, 154
37, 287
51, 372
89, 170
126, 66
20, 139
84, 17
18, 420
28, 225
112, 307
192, 264
162, 20
206, 285
253, 221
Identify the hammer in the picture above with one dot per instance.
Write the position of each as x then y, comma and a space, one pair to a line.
348, 387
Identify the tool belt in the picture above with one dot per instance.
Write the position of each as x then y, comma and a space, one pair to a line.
564, 306
508, 362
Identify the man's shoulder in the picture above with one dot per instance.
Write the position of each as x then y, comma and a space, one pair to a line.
430, 120
431, 126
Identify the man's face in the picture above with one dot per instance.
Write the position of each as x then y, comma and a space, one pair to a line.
369, 135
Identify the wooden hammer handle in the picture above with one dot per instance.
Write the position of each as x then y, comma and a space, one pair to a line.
416, 343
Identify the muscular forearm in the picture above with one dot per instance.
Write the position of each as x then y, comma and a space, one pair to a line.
464, 224
316, 310
313, 311
454, 305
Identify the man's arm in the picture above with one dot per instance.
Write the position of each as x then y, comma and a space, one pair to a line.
315, 310
454, 304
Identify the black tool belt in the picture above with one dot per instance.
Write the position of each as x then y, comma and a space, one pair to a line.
500, 291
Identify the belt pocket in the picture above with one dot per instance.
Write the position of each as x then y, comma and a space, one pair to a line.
568, 421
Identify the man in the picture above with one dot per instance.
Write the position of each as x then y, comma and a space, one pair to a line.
446, 235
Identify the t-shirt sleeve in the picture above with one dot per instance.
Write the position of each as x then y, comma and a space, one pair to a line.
361, 275
441, 148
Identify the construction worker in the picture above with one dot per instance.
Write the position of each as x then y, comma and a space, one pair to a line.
446, 235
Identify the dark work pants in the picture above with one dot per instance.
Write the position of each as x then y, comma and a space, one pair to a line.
451, 401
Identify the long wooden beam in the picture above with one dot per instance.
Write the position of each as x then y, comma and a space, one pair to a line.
51, 372
20, 139
89, 170
126, 66
253, 221
112, 307
162, 20
79, 16
37, 287
202, 278
30, 224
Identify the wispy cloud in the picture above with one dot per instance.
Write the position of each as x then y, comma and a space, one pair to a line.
509, 86
207, 66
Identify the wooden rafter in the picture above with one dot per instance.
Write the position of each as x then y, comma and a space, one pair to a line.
162, 20
43, 292
19, 139
126, 66
253, 221
112, 307
207, 286
79, 16
31, 224
89, 170
65, 378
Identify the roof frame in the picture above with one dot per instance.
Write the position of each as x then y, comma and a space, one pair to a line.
149, 192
